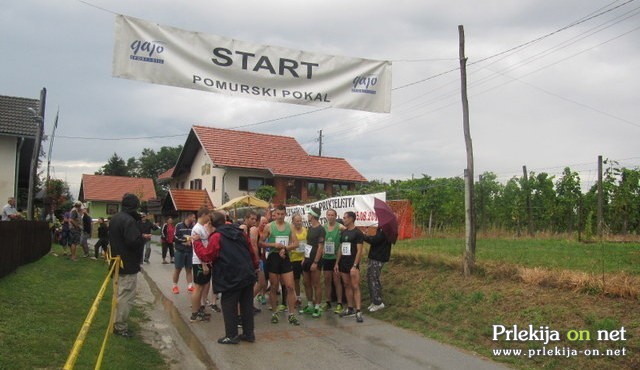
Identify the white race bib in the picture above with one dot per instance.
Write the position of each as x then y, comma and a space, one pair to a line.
329, 248
284, 240
346, 248
302, 245
307, 251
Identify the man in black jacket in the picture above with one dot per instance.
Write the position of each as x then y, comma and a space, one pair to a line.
379, 253
103, 238
127, 242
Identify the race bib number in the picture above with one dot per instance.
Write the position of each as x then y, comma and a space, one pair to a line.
346, 249
284, 240
307, 251
301, 246
329, 248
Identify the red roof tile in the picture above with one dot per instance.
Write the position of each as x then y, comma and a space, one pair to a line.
166, 175
112, 188
281, 155
190, 200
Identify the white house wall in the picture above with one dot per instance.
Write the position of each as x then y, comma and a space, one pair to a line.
7, 167
204, 169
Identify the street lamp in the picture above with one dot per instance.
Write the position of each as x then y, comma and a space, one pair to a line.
39, 121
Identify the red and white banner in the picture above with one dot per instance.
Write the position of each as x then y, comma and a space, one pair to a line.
147, 51
362, 205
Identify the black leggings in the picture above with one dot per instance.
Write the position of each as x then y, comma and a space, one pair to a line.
166, 246
104, 243
230, 300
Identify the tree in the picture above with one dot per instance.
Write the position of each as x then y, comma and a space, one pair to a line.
116, 166
488, 191
568, 197
543, 200
266, 193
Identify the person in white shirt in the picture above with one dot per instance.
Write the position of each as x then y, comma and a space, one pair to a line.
201, 271
9, 211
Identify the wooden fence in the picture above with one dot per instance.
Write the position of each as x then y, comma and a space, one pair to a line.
22, 242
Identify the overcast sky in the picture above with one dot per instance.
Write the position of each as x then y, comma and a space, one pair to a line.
559, 101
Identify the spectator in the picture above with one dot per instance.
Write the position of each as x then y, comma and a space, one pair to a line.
9, 211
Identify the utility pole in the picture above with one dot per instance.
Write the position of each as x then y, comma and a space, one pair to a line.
320, 146
38, 118
469, 259
600, 200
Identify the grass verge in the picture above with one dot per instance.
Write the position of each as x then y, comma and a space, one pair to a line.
42, 308
426, 292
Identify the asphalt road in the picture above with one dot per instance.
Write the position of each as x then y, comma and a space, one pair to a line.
329, 342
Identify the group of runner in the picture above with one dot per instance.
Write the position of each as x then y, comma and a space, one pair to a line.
287, 253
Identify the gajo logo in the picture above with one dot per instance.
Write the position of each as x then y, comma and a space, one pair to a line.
365, 84
147, 50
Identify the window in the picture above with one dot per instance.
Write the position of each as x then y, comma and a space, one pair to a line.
314, 189
339, 187
112, 208
250, 183
213, 183
195, 184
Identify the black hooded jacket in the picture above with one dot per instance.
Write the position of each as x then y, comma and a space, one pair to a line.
234, 267
380, 247
125, 237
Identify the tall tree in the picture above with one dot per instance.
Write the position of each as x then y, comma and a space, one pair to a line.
568, 197
116, 166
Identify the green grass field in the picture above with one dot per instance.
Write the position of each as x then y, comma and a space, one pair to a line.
427, 293
548, 253
42, 308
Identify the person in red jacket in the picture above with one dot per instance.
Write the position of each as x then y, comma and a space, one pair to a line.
235, 269
167, 234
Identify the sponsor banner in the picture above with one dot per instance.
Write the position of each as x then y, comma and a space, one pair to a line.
154, 53
362, 205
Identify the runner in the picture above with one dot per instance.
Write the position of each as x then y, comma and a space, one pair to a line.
183, 252
201, 271
297, 255
260, 289
313, 250
331, 277
281, 240
348, 263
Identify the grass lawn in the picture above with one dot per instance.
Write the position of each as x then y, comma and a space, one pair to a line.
42, 308
434, 298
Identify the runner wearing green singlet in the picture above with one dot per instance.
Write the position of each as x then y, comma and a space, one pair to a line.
332, 240
280, 238
297, 255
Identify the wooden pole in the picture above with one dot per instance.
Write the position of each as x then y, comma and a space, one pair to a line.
527, 190
470, 227
600, 200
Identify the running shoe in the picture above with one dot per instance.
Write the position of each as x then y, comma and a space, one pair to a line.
370, 306
376, 307
275, 318
298, 303
326, 306
215, 308
227, 340
316, 313
293, 320
359, 316
338, 309
281, 308
247, 338
123, 333
348, 312
190, 288
175, 290
308, 310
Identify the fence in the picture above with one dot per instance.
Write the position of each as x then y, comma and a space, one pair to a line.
22, 242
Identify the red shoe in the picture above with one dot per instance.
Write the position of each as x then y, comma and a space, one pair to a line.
190, 288
176, 290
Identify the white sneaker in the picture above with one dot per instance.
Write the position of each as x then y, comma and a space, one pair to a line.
370, 306
376, 307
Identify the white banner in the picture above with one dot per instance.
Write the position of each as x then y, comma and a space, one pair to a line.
150, 52
362, 205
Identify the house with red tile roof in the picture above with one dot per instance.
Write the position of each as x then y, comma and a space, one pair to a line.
18, 131
103, 194
183, 201
229, 163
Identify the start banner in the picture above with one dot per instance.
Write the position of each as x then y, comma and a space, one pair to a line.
362, 205
147, 51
